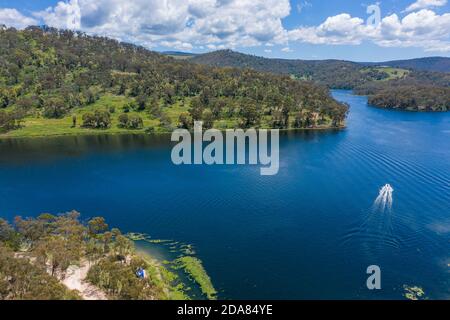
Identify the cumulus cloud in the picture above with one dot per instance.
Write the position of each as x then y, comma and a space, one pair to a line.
421, 29
340, 29
13, 18
180, 23
220, 24
424, 29
423, 4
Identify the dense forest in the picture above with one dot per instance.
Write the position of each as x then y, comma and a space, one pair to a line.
408, 94
36, 255
332, 73
394, 85
99, 83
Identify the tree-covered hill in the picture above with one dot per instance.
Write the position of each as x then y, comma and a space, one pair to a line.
344, 74
69, 82
388, 85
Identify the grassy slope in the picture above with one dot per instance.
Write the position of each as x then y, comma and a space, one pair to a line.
37, 126
394, 73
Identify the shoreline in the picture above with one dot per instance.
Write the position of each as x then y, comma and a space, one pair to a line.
392, 108
189, 276
5, 136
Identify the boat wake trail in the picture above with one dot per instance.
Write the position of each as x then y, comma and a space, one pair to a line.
374, 233
385, 200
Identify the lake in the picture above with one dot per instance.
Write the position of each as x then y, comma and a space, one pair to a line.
309, 232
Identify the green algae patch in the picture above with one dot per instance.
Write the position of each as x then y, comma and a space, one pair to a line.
194, 268
136, 236
414, 293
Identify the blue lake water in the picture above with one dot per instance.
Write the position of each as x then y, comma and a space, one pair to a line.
309, 232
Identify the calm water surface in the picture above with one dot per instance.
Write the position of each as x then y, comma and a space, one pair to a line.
309, 232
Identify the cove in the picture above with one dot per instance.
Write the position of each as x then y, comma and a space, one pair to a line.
311, 231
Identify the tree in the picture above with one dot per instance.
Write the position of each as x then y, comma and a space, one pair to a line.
169, 94
130, 122
54, 108
185, 121
135, 122
141, 102
30, 229
58, 252
208, 119
154, 108
25, 103
97, 120
9, 236
122, 246
300, 120
9, 120
196, 110
97, 225
4, 97
90, 96
123, 120
279, 120
249, 113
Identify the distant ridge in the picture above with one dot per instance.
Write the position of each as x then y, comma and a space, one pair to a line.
332, 73
236, 59
178, 54
438, 64
337, 74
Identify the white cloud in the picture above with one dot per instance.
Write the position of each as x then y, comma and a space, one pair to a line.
422, 4
189, 23
287, 50
340, 29
220, 24
13, 18
424, 29
179, 45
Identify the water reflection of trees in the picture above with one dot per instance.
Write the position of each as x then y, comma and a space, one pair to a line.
19, 151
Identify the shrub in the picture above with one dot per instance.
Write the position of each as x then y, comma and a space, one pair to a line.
185, 121
135, 122
54, 108
130, 122
123, 120
97, 120
9, 120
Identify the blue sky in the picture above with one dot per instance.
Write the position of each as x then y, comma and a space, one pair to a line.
306, 29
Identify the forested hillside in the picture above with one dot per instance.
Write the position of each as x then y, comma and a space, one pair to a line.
388, 86
345, 74
70, 82
423, 91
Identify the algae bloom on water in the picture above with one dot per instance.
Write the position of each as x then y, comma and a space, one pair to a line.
193, 266
414, 293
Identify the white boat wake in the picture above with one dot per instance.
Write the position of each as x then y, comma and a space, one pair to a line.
385, 199
375, 232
